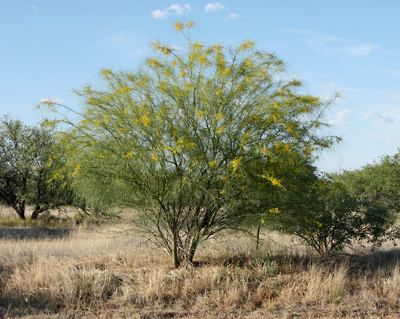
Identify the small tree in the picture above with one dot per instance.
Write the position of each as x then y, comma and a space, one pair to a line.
30, 169
331, 218
177, 138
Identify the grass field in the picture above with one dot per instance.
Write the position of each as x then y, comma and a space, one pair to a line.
105, 272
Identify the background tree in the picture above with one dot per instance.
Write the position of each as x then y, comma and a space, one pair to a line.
31, 165
379, 182
183, 138
329, 217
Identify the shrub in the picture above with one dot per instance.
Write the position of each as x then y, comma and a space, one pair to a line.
334, 218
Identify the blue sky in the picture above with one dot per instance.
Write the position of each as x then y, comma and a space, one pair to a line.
49, 48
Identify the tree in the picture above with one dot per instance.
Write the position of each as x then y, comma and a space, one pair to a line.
331, 218
379, 182
182, 138
30, 169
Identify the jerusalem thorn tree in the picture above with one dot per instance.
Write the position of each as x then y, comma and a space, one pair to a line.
182, 137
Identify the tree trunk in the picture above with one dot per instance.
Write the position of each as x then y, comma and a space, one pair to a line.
20, 209
193, 248
258, 236
36, 212
175, 253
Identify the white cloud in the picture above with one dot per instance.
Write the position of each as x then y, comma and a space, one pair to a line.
233, 16
381, 117
179, 9
360, 50
159, 14
336, 45
174, 8
211, 7
339, 118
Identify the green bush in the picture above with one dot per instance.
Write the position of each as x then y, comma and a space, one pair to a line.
334, 218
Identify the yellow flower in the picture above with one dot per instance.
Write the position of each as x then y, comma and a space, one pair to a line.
129, 154
154, 156
191, 145
235, 163
165, 50
283, 146
106, 73
219, 116
248, 63
200, 114
154, 63
76, 170
197, 46
91, 101
97, 123
220, 130
227, 71
179, 26
275, 182
213, 164
274, 210
202, 59
145, 120
123, 90
246, 45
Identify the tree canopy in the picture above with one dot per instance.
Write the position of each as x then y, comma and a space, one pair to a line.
186, 136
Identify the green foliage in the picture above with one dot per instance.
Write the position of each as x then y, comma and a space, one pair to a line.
332, 217
31, 165
186, 137
379, 182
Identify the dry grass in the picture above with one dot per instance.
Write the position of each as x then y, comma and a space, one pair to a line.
108, 274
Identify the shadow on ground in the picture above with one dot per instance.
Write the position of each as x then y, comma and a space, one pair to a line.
33, 233
358, 264
379, 262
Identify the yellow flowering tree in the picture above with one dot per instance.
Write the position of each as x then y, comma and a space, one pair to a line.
177, 137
